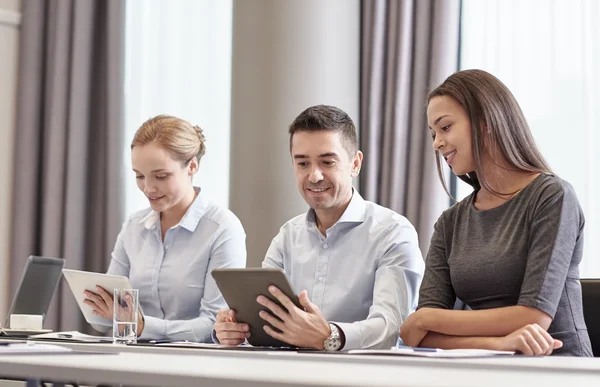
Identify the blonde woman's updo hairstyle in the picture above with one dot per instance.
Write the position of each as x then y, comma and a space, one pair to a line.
182, 140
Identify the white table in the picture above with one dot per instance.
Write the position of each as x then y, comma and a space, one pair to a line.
236, 368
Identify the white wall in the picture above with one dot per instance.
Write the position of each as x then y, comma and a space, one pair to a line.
9, 38
287, 56
552, 69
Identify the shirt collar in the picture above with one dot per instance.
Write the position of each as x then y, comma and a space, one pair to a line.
190, 219
356, 212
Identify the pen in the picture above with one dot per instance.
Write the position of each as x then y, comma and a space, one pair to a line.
400, 346
419, 349
416, 349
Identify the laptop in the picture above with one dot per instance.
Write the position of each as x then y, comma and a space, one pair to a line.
36, 288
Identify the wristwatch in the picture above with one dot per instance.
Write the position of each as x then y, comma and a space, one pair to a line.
334, 341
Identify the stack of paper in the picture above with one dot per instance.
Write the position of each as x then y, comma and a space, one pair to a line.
189, 344
31, 348
73, 336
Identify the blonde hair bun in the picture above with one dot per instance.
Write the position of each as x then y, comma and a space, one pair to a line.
181, 139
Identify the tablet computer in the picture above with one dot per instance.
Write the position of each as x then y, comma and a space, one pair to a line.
241, 287
80, 281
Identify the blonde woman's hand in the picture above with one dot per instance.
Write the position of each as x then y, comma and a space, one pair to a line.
100, 302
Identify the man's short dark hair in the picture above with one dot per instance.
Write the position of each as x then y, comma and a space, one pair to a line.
324, 117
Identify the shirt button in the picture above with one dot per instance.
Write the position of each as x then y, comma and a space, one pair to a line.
325, 246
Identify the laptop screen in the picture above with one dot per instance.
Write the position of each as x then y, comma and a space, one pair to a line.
38, 284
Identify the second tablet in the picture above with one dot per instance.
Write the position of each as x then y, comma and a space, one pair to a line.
241, 287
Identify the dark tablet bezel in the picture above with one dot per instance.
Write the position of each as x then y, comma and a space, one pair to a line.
241, 287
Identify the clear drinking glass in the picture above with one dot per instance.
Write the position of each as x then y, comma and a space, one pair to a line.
125, 316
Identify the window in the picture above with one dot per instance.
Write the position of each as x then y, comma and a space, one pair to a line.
548, 55
178, 62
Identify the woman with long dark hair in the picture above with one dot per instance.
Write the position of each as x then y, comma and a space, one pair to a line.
510, 250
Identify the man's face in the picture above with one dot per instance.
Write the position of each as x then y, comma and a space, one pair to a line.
324, 169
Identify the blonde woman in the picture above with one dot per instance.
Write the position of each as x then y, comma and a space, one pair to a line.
169, 250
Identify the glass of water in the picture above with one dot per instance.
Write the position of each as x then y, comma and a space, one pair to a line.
125, 316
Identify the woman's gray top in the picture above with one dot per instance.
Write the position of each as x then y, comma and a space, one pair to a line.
523, 252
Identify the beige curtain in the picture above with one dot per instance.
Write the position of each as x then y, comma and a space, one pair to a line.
408, 47
69, 145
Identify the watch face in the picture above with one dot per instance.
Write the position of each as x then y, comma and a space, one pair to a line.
337, 343
333, 344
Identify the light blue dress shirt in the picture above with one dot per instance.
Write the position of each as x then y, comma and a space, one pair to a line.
364, 275
178, 295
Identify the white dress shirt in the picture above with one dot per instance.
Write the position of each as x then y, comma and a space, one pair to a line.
178, 295
364, 275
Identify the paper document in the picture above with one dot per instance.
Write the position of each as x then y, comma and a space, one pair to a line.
191, 344
431, 352
32, 348
72, 336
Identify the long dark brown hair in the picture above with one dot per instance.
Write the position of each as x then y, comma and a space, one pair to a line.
497, 122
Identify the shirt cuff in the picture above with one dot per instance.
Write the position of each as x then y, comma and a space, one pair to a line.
213, 335
154, 328
352, 335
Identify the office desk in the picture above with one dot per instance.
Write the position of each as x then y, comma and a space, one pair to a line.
235, 368
559, 363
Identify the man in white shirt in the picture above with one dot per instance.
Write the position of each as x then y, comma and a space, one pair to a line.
359, 263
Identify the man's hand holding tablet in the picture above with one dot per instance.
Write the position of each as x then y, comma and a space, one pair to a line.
265, 311
299, 327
